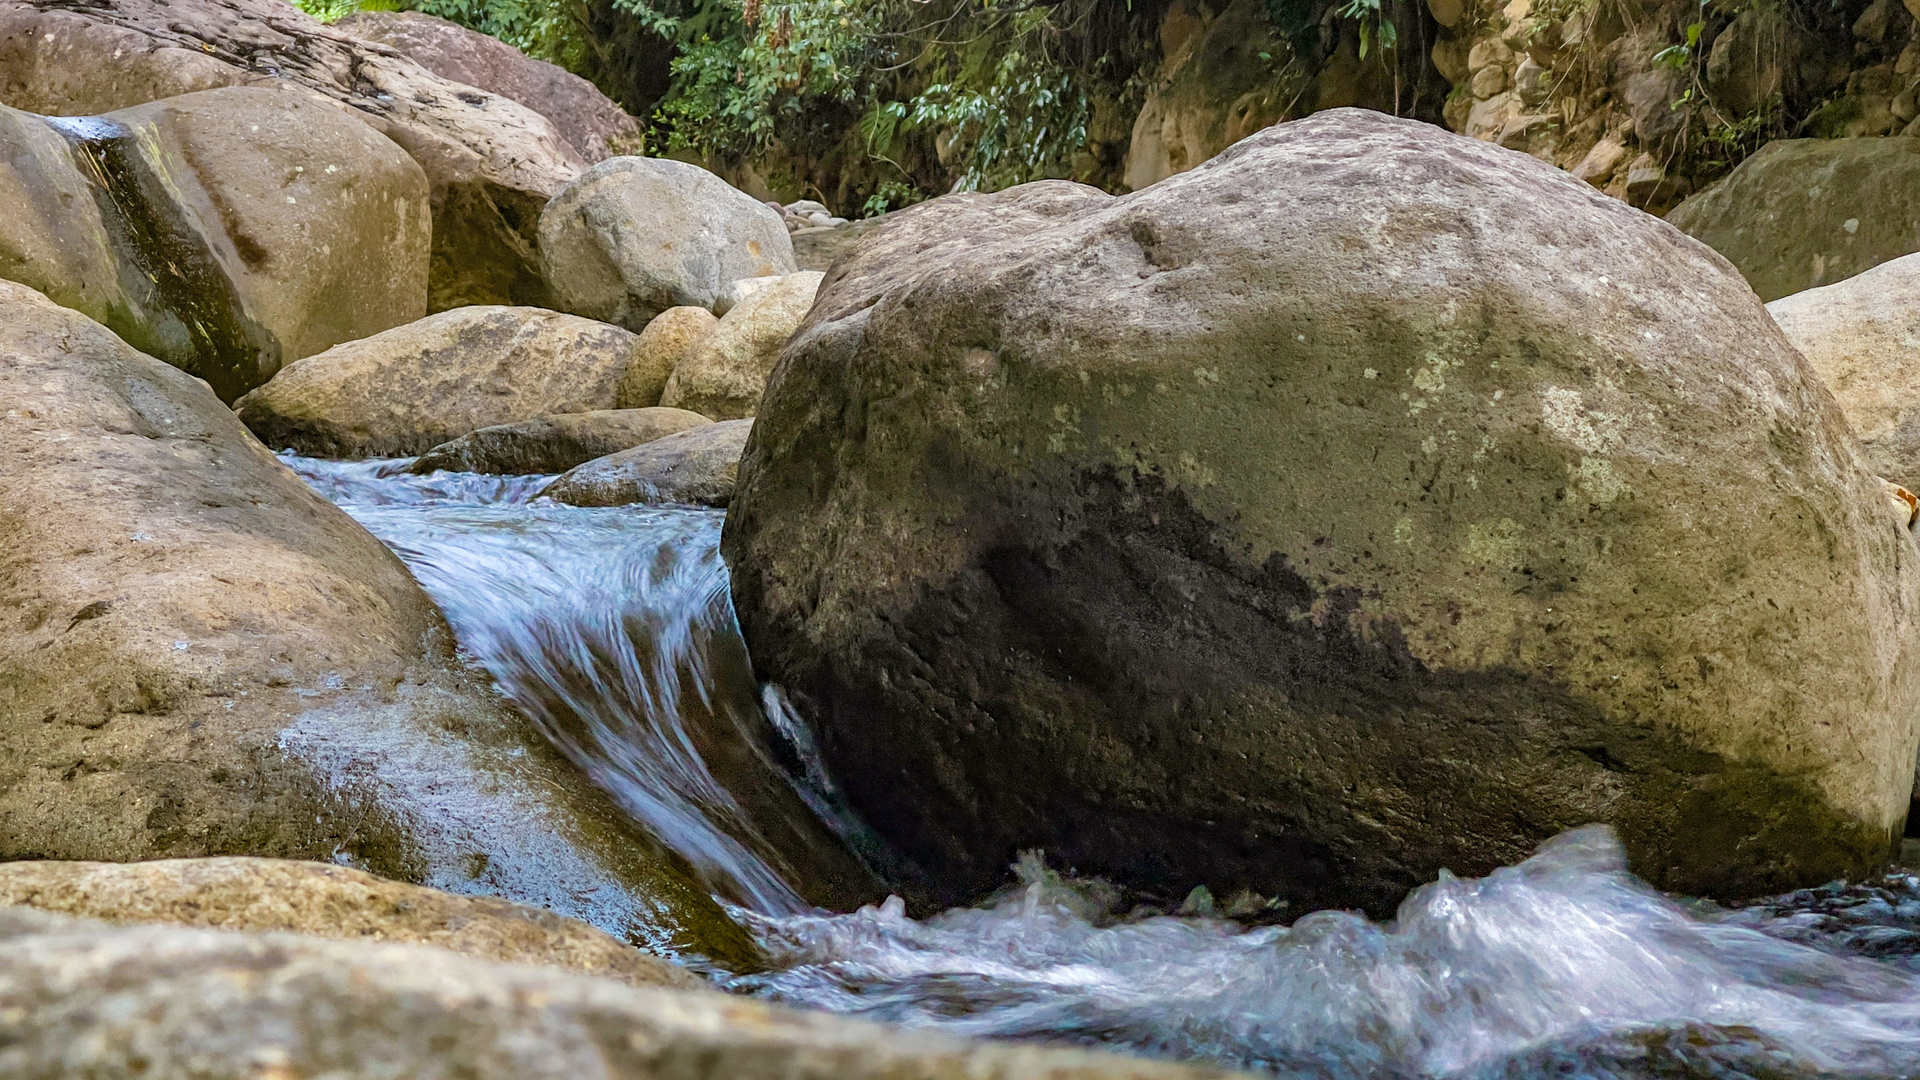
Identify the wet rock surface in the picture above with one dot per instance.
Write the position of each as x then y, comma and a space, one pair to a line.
554, 444
415, 387
1803, 213
490, 162
323, 900
226, 232
695, 467
1090, 524
633, 237
724, 374
207, 658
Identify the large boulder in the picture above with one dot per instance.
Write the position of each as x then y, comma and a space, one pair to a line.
81, 999
414, 387
324, 900
491, 163
1863, 336
634, 236
226, 232
1807, 212
725, 374
554, 444
696, 467
203, 657
1367, 501
583, 115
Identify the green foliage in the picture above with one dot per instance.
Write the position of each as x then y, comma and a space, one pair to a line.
1373, 24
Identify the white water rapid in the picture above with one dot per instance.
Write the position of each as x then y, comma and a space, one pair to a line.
614, 630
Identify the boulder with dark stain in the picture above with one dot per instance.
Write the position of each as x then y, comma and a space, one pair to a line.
554, 444
226, 232
204, 657
1366, 501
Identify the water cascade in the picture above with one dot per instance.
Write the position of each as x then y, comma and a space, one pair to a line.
613, 629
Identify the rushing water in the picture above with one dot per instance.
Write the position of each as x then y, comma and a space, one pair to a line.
613, 629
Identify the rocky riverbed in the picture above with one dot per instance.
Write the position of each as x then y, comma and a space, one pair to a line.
480, 602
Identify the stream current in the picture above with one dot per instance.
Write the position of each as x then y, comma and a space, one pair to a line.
614, 630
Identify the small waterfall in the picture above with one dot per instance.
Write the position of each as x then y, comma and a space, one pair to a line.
613, 629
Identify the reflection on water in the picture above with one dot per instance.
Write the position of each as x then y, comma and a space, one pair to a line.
614, 630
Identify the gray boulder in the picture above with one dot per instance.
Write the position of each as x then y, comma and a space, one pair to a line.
208, 658
226, 232
1802, 213
1366, 501
1863, 336
81, 999
583, 115
724, 374
554, 444
417, 386
695, 467
633, 237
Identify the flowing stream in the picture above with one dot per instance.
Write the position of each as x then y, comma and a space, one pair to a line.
613, 629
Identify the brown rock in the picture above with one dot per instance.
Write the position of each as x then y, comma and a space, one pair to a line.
696, 467
226, 232
204, 657
491, 162
554, 444
1863, 336
584, 116
79, 998
414, 387
667, 341
324, 900
1493, 507
726, 372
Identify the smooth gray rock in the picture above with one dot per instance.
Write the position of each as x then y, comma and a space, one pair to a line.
554, 444
1366, 501
694, 467
633, 237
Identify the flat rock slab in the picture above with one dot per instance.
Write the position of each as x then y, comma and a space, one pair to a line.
324, 900
79, 998
695, 467
554, 444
